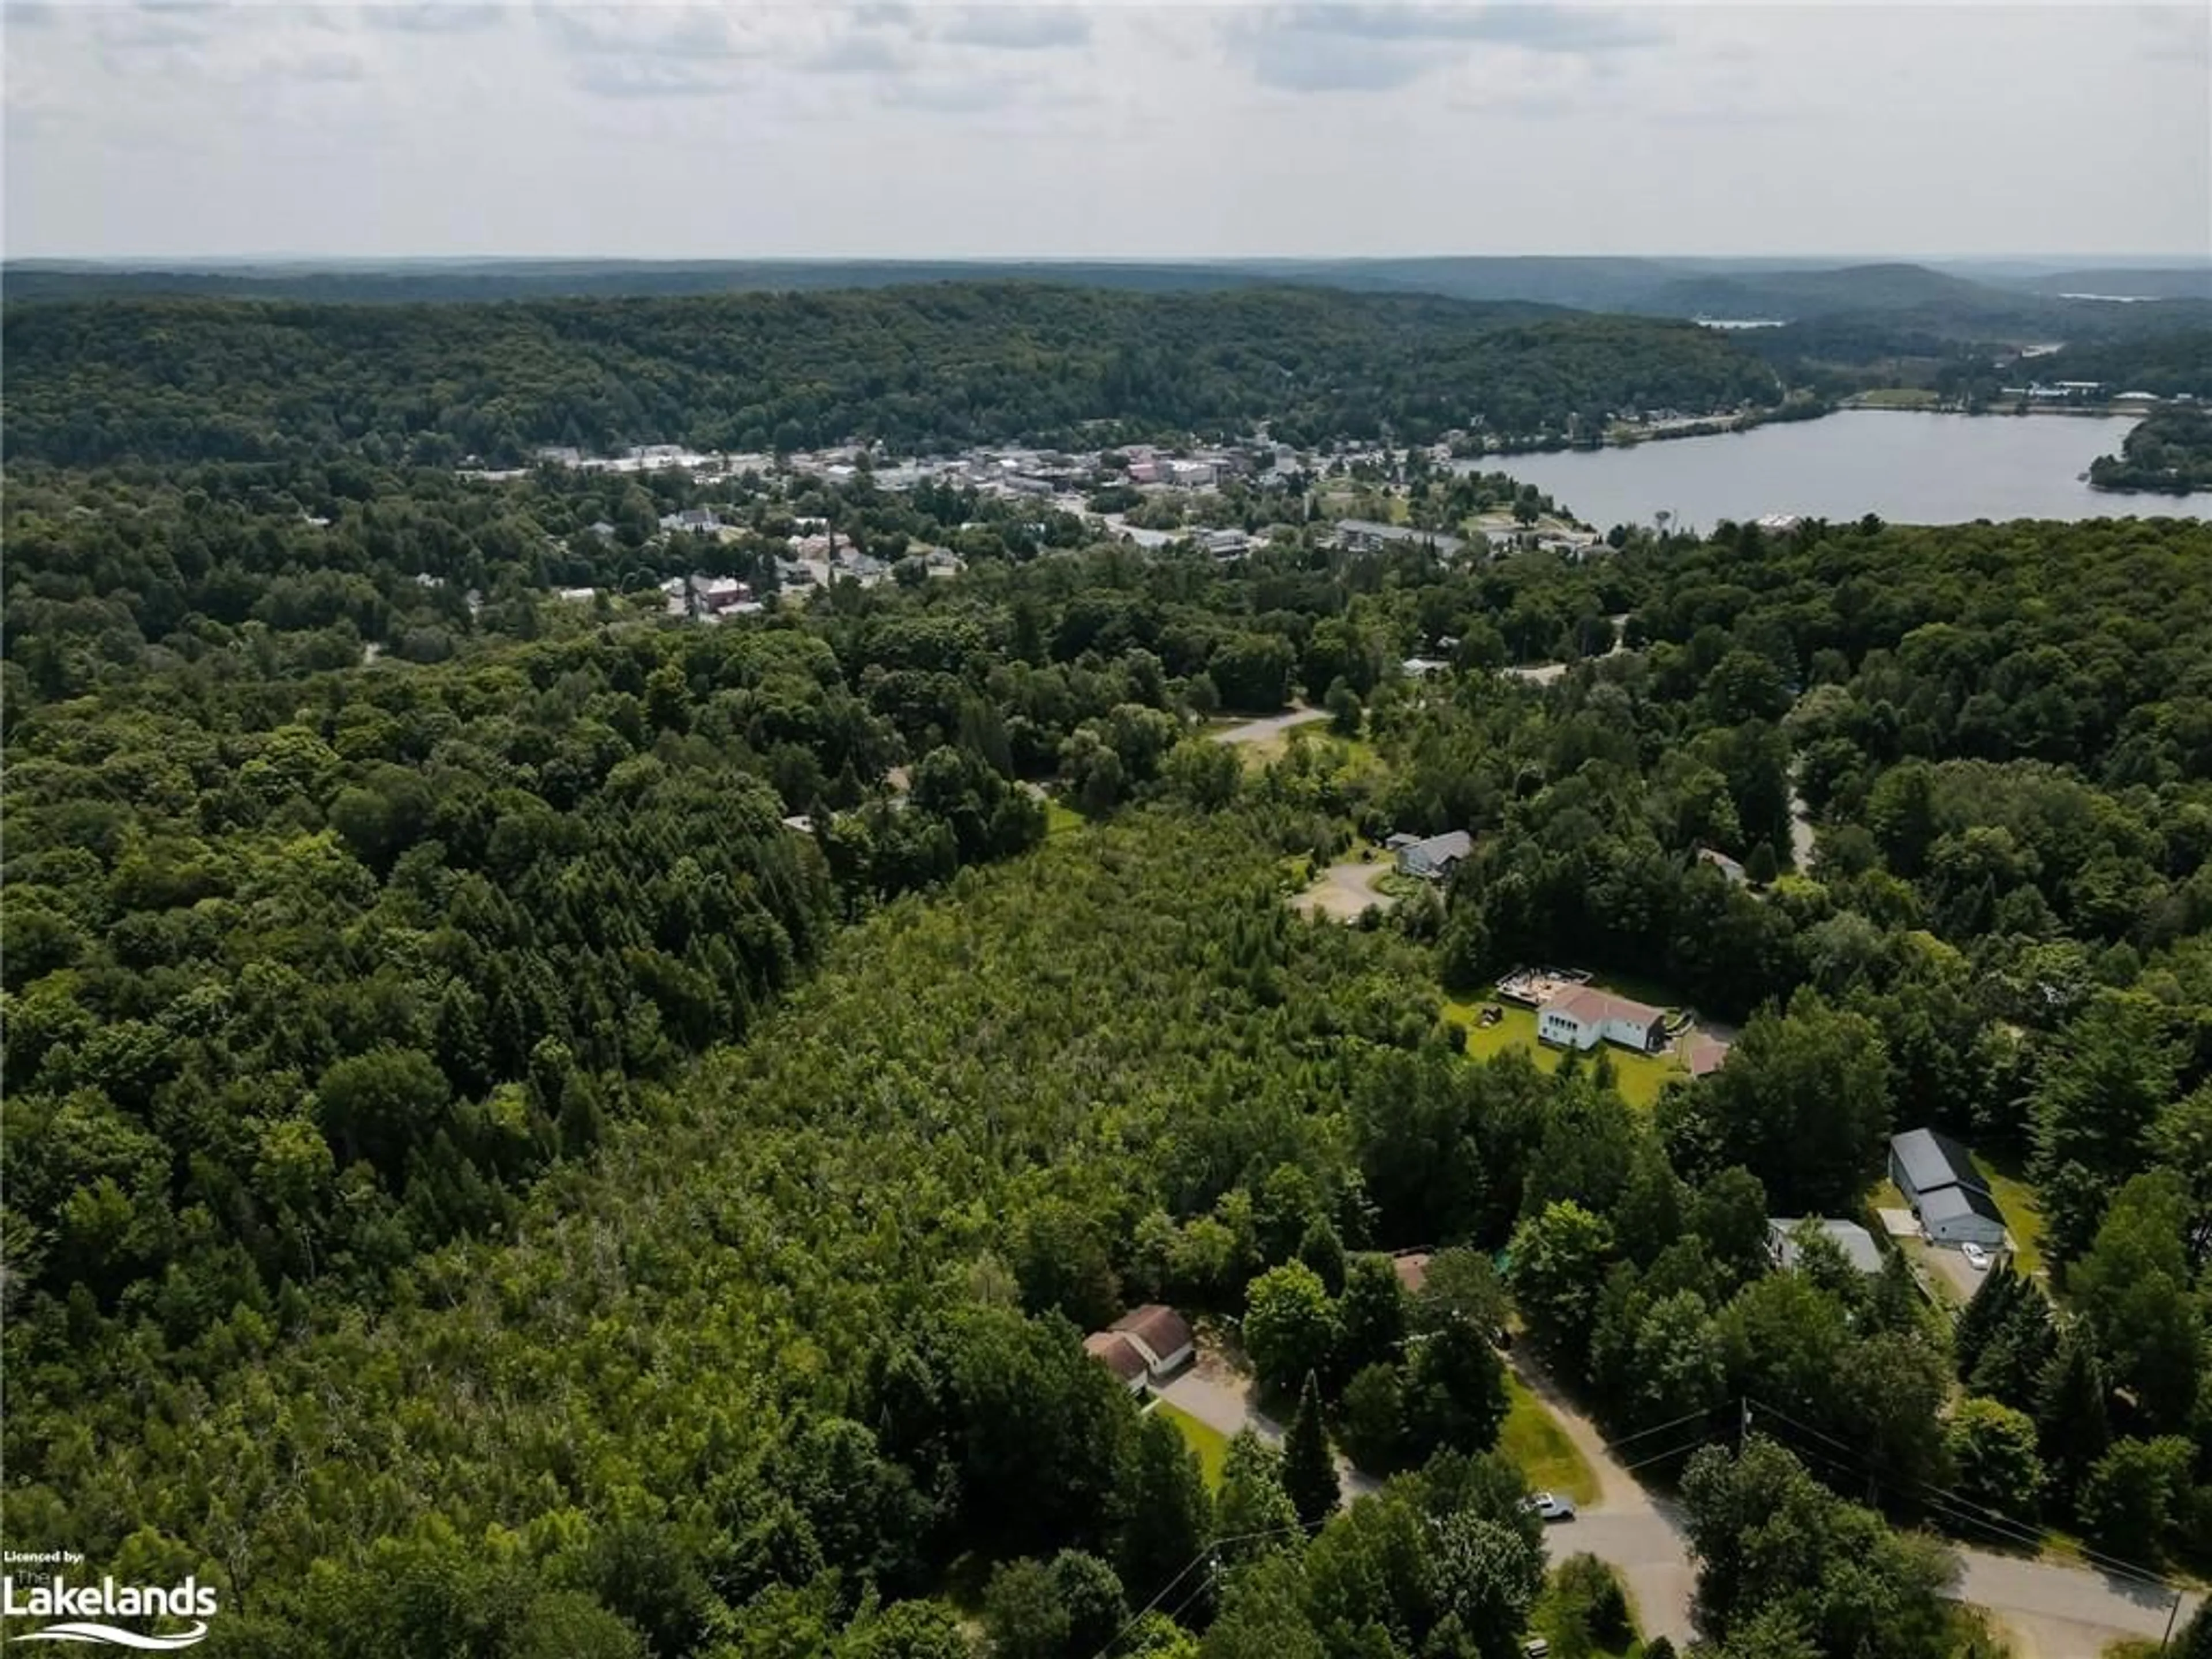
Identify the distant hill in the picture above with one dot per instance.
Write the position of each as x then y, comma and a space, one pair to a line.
1860, 312
2140, 282
938, 365
1792, 295
1656, 287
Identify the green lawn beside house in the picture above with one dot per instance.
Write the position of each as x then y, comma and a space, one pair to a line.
1540, 1448
2023, 1213
1641, 1076
1208, 1442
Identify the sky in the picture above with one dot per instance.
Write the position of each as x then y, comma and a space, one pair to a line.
1105, 130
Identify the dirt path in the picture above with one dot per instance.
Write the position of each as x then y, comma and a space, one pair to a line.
1343, 891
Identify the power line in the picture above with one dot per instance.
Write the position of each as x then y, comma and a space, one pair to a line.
1207, 1555
1687, 1417
1959, 1508
1708, 1435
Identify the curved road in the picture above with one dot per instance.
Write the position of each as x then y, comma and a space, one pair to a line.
2052, 1610
2049, 1609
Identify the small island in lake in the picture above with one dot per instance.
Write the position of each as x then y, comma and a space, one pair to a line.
2169, 452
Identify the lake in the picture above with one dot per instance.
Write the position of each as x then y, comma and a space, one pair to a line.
1908, 466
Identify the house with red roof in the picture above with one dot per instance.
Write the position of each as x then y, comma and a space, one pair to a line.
1582, 1017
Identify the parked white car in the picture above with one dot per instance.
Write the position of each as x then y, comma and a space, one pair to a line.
1976, 1257
1551, 1507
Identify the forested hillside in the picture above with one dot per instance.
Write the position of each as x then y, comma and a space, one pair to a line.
162, 380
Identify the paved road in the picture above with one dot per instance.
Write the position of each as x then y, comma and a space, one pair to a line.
1273, 727
2052, 1611
2059, 1611
1639, 1535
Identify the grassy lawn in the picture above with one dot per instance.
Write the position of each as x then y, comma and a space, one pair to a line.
1209, 1442
1059, 819
1541, 1449
1899, 397
2023, 1215
1640, 1076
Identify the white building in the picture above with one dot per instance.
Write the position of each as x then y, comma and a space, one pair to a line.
1584, 1016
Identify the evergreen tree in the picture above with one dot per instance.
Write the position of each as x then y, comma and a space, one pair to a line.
2072, 1428
1309, 1470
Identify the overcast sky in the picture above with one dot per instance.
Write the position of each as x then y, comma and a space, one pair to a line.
1105, 130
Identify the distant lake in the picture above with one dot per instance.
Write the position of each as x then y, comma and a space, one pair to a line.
1908, 466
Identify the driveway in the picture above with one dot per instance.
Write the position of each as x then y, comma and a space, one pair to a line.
1222, 1399
1273, 727
1344, 891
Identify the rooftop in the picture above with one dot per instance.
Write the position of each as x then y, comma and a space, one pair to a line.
1854, 1240
1588, 1003
1931, 1158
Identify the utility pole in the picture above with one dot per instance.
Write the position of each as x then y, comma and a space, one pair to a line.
1743, 1422
2172, 1614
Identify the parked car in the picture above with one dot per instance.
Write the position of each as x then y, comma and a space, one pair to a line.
1537, 1647
1976, 1257
1551, 1506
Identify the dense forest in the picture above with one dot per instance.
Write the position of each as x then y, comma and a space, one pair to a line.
2169, 452
165, 380
479, 1181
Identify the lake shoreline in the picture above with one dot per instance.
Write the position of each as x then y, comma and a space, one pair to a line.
1912, 467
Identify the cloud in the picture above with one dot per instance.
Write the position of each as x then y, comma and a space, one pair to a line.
654, 51
855, 54
329, 66
432, 16
1019, 28
1537, 28
1344, 48
966, 97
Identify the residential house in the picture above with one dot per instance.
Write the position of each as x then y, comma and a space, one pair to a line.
1162, 1335
1938, 1179
1433, 858
1727, 865
1584, 1016
1419, 668
1119, 1355
1225, 544
1854, 1240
